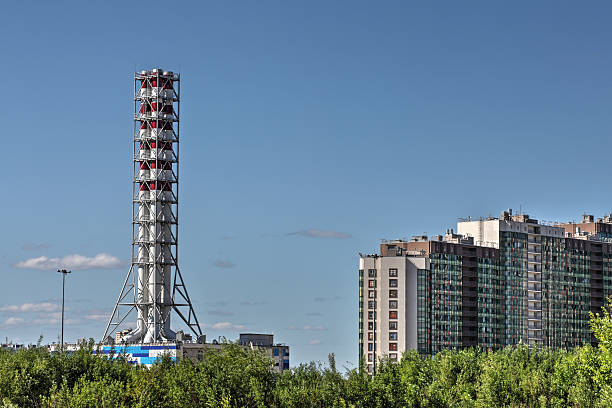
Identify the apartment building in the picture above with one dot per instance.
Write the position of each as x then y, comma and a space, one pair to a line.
496, 282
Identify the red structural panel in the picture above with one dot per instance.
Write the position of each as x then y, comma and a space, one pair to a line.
165, 125
152, 185
153, 145
151, 164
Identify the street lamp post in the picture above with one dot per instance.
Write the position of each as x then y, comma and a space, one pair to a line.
64, 272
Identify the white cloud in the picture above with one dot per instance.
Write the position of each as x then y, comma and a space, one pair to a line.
253, 303
46, 307
29, 246
225, 326
317, 233
220, 313
46, 321
98, 317
220, 263
50, 320
314, 328
314, 342
74, 262
307, 328
327, 299
217, 303
12, 321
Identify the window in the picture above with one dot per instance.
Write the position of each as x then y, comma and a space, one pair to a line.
392, 272
371, 283
393, 304
392, 346
393, 336
371, 336
393, 293
276, 352
371, 294
371, 304
393, 356
371, 315
370, 346
370, 357
392, 325
371, 326
393, 283
393, 314
372, 273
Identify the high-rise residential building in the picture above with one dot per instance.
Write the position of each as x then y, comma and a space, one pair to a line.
496, 282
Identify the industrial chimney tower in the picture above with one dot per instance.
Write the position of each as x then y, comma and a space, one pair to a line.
154, 285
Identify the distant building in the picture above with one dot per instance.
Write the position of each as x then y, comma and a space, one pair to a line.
14, 347
496, 282
279, 353
149, 353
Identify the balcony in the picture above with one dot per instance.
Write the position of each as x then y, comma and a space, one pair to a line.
533, 315
533, 230
534, 297
534, 288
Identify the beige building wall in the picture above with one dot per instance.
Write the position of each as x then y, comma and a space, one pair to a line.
386, 336
484, 232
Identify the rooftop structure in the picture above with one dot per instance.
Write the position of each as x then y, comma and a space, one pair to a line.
599, 229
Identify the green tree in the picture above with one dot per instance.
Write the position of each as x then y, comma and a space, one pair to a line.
601, 325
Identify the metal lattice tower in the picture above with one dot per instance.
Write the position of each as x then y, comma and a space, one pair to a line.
154, 285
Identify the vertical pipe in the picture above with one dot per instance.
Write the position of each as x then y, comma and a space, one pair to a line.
63, 290
64, 272
178, 148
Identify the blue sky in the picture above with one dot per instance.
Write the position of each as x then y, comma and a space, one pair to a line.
310, 130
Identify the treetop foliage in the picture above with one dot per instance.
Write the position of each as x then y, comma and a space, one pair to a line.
241, 377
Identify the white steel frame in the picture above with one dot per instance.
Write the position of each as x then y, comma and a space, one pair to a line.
158, 254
